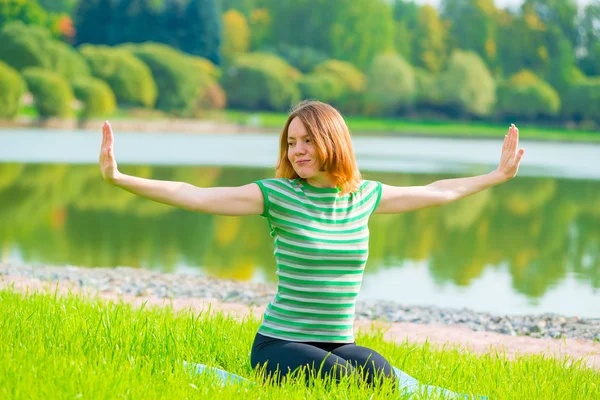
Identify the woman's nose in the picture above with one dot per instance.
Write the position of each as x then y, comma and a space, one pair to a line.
300, 148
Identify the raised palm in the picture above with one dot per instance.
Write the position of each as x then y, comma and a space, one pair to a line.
510, 157
108, 165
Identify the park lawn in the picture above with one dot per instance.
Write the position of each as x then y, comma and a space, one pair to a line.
365, 125
75, 347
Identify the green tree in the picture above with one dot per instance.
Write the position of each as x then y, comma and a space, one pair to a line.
473, 26
51, 92
203, 34
12, 88
349, 30
390, 87
27, 11
589, 39
406, 21
430, 40
467, 85
59, 6
236, 34
525, 95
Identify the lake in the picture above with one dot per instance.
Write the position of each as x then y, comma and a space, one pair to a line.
531, 245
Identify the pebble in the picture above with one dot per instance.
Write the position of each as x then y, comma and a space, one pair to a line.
141, 282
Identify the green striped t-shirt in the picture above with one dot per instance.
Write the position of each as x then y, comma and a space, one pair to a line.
321, 248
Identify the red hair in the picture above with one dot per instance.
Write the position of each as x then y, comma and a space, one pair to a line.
328, 131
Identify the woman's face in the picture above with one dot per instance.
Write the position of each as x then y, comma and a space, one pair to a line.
301, 151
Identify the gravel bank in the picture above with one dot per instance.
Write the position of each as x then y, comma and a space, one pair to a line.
139, 282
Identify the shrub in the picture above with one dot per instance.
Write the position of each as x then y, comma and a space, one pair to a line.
97, 97
390, 86
129, 78
352, 79
12, 89
324, 87
526, 95
305, 59
427, 91
179, 77
583, 100
24, 46
261, 82
467, 85
51, 92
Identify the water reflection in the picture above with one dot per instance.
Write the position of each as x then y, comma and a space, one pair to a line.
538, 230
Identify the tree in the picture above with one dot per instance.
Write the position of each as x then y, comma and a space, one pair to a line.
430, 40
473, 26
467, 85
406, 21
203, 34
59, 6
28, 12
589, 39
236, 34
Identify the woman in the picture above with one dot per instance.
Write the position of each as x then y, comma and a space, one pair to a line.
318, 209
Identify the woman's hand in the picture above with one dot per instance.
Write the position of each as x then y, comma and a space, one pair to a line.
108, 165
510, 157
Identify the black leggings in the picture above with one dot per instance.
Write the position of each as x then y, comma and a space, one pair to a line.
283, 357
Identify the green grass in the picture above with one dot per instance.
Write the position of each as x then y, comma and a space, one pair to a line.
363, 125
72, 347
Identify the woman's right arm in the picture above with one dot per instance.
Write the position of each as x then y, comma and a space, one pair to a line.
243, 200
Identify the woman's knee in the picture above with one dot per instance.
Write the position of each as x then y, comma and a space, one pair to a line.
369, 363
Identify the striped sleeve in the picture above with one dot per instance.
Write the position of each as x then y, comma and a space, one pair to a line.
378, 194
265, 192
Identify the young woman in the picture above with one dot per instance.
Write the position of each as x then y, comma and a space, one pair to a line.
318, 209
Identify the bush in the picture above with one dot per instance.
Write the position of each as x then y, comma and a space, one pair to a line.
51, 92
97, 97
390, 86
180, 78
12, 89
526, 95
427, 91
305, 59
583, 100
24, 46
352, 79
261, 82
324, 87
467, 85
129, 78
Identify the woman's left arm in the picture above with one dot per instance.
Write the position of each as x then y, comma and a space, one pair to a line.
396, 199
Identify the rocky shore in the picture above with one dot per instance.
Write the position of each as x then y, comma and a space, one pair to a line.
139, 282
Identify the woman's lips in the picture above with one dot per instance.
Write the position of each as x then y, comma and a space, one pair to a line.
302, 162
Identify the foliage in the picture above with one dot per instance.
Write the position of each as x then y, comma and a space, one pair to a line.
525, 95
323, 86
12, 88
180, 78
236, 34
352, 79
473, 26
129, 78
583, 100
427, 91
24, 46
304, 59
467, 85
192, 26
52, 93
430, 40
258, 81
59, 6
97, 97
26, 11
390, 87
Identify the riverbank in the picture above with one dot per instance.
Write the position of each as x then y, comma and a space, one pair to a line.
238, 122
479, 332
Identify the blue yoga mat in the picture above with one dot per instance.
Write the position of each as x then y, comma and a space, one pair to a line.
406, 383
